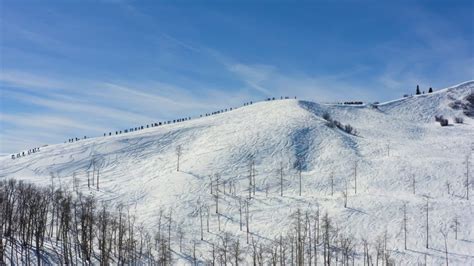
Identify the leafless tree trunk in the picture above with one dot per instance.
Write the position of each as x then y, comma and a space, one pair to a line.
327, 227
210, 179
236, 251
254, 177
181, 237
240, 213
299, 173
217, 194
224, 249
467, 184
455, 225
247, 220
208, 212
200, 218
444, 232
355, 177
388, 149
281, 179
332, 184
93, 172
250, 179
179, 152
405, 224
344, 193
448, 187
98, 169
427, 223
194, 253
169, 234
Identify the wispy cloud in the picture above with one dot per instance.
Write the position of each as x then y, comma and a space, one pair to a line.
271, 81
178, 97
254, 76
45, 122
28, 81
181, 43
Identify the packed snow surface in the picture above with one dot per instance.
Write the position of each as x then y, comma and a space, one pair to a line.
397, 142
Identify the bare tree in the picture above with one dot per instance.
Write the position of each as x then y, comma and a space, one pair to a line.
327, 228
455, 227
208, 212
240, 213
104, 230
211, 183
92, 165
355, 177
379, 249
236, 251
448, 187
281, 179
427, 222
347, 246
75, 182
216, 196
254, 174
299, 174
181, 237
467, 183
224, 247
213, 254
365, 245
344, 194
200, 218
194, 253
170, 220
247, 220
405, 224
444, 232
388, 148
332, 183
250, 178
98, 170
179, 152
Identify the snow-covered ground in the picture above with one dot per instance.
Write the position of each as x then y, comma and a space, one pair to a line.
397, 142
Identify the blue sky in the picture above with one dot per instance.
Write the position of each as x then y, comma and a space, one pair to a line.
75, 68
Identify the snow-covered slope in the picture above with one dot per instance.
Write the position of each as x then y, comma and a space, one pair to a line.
397, 142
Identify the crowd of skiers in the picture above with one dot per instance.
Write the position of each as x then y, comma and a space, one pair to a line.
118, 132
24, 153
133, 129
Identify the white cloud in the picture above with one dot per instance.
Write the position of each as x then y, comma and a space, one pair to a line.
45, 122
29, 81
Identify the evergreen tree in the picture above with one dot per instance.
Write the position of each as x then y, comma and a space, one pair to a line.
417, 90
430, 90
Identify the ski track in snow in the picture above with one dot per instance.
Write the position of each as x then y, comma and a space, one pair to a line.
138, 169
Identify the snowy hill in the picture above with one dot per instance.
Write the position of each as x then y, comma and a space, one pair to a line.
398, 142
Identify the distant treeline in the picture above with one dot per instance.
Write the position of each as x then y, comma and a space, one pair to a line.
418, 92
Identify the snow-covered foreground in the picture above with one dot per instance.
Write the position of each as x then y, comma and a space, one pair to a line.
398, 144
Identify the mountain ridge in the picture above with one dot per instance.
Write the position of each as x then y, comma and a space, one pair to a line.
395, 141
